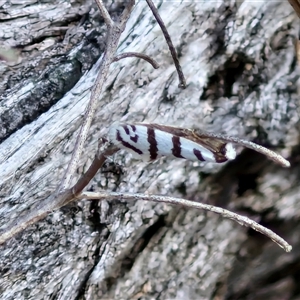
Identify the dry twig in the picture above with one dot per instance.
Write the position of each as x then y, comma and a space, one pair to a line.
191, 204
114, 31
161, 23
296, 6
269, 153
147, 58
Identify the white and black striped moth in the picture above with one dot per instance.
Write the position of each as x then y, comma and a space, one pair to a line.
151, 141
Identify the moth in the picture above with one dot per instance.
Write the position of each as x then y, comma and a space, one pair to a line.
152, 141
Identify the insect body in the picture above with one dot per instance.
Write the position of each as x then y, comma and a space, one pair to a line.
151, 141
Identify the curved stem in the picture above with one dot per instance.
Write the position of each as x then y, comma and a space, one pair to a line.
147, 58
191, 204
258, 148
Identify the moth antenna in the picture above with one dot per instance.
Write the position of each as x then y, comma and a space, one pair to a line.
267, 152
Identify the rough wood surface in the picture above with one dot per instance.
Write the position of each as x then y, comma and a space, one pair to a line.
240, 64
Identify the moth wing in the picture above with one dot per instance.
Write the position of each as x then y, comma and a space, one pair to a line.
222, 150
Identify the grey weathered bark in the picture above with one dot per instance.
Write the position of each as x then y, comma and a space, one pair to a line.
240, 64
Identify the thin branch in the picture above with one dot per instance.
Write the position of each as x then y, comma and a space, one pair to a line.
297, 48
93, 169
129, 4
296, 6
161, 23
147, 58
113, 36
191, 204
258, 148
105, 14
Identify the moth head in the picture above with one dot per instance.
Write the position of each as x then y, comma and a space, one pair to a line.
130, 137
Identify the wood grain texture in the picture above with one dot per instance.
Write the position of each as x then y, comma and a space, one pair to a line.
239, 61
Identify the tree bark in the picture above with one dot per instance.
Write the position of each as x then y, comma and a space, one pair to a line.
242, 79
